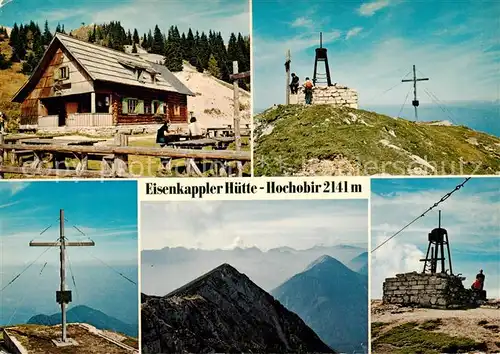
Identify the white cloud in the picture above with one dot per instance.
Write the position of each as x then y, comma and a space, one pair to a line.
471, 217
302, 22
393, 258
253, 223
464, 71
13, 188
370, 8
474, 224
270, 50
353, 32
4, 2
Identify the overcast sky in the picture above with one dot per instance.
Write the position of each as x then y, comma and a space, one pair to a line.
471, 217
264, 224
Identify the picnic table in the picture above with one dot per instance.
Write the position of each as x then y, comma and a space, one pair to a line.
220, 143
59, 158
215, 132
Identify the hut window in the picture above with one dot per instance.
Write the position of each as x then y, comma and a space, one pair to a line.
133, 106
158, 107
64, 73
177, 110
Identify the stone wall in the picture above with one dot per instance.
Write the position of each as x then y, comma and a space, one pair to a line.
428, 290
337, 95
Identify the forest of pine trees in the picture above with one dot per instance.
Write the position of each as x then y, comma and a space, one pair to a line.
204, 51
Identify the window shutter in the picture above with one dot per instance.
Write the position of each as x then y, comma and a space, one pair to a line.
139, 109
125, 106
162, 107
56, 74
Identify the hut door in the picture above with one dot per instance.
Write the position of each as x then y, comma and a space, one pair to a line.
62, 114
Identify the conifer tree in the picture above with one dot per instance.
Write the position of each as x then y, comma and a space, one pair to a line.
158, 46
135, 38
190, 54
173, 53
213, 67
150, 41
47, 35
129, 38
4, 62
134, 48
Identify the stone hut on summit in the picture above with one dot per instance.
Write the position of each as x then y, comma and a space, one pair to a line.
432, 289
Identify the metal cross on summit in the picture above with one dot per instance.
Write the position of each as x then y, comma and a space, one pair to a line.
415, 102
63, 296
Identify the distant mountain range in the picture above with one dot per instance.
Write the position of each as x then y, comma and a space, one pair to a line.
332, 300
480, 116
223, 311
85, 314
176, 266
360, 263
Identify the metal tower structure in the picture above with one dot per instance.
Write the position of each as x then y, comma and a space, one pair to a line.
321, 56
438, 241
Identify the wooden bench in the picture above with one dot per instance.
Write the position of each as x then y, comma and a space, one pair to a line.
19, 156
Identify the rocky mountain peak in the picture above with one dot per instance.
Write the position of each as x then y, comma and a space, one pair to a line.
223, 311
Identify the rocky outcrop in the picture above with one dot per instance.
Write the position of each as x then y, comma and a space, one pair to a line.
223, 311
429, 290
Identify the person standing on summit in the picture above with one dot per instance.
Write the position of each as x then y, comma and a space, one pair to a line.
308, 90
480, 276
294, 86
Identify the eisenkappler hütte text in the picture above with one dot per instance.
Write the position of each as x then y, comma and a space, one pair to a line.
270, 187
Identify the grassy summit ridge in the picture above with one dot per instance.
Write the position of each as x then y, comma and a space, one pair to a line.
327, 140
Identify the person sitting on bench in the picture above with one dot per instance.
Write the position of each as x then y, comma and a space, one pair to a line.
162, 138
194, 129
2, 122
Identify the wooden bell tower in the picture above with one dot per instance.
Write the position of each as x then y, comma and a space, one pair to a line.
321, 56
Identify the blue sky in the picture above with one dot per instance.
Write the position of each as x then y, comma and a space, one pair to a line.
221, 15
105, 212
471, 216
372, 45
212, 225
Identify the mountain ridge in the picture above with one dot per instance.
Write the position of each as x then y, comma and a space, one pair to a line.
86, 314
333, 300
223, 311
298, 140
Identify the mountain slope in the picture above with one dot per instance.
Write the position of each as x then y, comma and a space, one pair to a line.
213, 103
223, 311
85, 314
325, 140
11, 80
332, 300
360, 263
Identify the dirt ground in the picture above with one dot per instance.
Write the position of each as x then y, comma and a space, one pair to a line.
38, 339
480, 324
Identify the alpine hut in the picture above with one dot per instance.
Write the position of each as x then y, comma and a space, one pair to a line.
83, 85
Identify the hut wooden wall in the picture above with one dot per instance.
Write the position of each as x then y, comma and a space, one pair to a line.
78, 82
